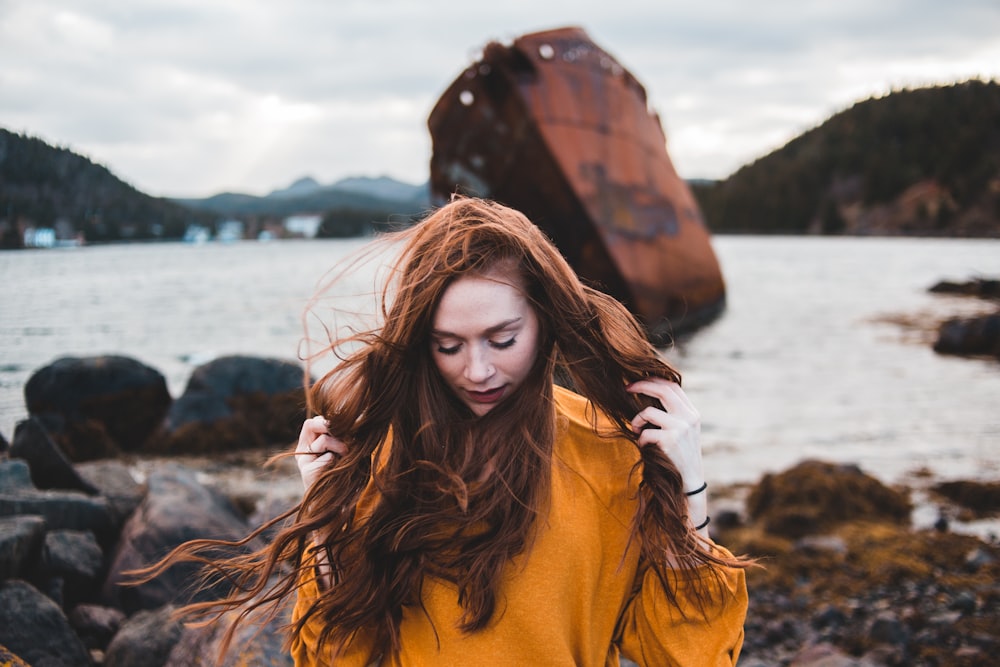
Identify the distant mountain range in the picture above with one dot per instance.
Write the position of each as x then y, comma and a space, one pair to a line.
306, 195
915, 162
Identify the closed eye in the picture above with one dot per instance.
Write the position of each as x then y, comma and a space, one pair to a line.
448, 350
503, 345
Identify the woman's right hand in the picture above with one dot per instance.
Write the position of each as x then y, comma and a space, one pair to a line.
316, 449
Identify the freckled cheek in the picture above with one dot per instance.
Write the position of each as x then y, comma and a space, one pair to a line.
524, 363
449, 367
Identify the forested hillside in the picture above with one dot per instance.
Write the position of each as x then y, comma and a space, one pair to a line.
45, 186
915, 162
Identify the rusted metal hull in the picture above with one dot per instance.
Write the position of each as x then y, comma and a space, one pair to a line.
553, 126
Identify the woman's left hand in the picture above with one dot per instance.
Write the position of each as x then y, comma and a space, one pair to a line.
676, 427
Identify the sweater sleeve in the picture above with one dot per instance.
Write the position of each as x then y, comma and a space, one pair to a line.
305, 643
654, 631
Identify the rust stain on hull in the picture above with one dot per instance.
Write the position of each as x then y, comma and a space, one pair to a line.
554, 126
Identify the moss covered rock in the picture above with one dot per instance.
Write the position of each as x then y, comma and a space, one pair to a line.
815, 496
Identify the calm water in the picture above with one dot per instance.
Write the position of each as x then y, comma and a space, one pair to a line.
806, 361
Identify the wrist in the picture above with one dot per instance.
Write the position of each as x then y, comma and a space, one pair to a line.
700, 488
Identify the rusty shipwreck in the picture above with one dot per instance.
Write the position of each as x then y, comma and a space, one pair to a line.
554, 126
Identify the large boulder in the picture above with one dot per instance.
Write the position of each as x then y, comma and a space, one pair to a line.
35, 629
814, 496
176, 509
235, 402
96, 405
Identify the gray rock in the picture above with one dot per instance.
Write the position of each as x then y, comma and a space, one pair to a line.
828, 616
176, 509
833, 544
886, 628
823, 655
50, 469
34, 628
115, 482
964, 602
269, 509
144, 640
978, 558
21, 539
15, 475
63, 510
95, 625
255, 642
970, 336
75, 557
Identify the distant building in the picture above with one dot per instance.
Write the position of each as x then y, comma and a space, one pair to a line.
303, 225
197, 234
39, 237
229, 230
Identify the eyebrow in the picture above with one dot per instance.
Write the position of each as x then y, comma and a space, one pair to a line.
496, 328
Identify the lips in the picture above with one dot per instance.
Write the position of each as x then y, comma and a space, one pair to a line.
491, 396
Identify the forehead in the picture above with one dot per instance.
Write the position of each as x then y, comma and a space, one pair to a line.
480, 301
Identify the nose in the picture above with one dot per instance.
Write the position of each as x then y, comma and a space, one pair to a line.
478, 365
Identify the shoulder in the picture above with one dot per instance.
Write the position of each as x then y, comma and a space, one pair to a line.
586, 438
567, 400
579, 411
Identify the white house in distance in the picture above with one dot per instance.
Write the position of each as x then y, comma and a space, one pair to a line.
305, 225
228, 231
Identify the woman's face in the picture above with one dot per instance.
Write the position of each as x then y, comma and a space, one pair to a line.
485, 337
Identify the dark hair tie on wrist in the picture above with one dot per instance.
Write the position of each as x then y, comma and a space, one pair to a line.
704, 485
704, 523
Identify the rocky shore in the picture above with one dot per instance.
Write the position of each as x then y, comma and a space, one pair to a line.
108, 473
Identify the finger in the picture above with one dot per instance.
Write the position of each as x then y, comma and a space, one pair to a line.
664, 436
311, 429
653, 387
327, 443
669, 394
316, 462
314, 426
313, 469
321, 461
681, 395
649, 416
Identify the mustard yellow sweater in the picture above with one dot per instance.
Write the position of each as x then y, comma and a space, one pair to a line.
577, 598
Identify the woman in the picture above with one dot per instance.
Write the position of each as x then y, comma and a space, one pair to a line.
460, 508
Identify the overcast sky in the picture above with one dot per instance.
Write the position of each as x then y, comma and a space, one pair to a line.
193, 97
